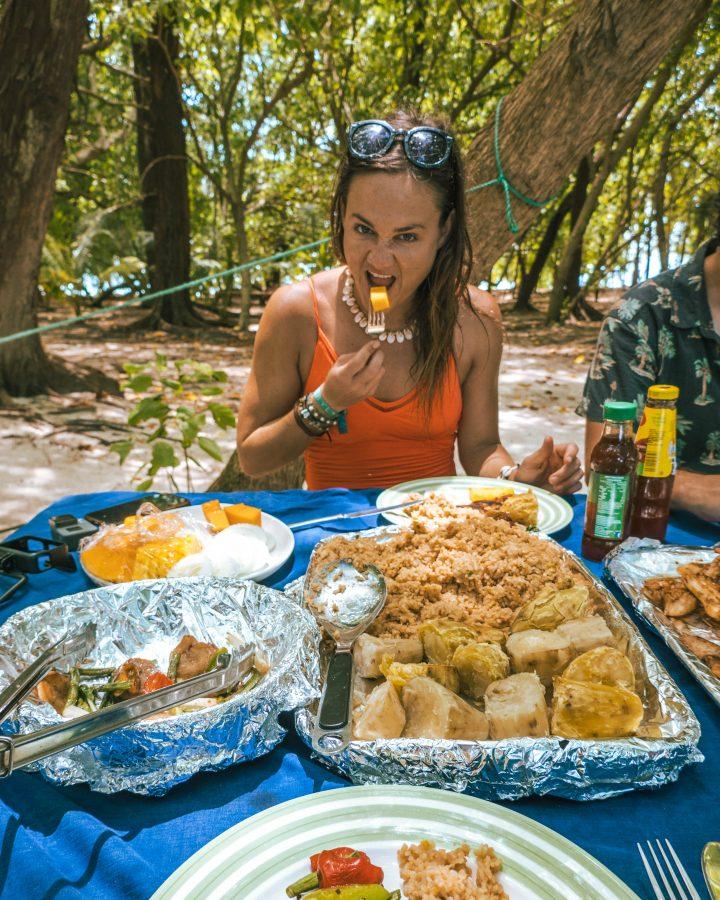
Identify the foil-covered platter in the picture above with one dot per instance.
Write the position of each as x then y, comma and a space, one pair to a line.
638, 559
513, 768
148, 618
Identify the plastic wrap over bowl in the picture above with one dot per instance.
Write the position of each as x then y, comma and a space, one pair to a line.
147, 618
520, 767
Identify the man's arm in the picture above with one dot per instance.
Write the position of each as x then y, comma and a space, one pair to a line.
697, 493
693, 492
593, 433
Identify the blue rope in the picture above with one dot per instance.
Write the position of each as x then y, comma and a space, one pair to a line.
502, 179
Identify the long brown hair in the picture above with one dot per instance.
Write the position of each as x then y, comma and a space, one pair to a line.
438, 298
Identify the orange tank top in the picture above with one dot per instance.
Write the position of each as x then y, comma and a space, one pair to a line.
387, 442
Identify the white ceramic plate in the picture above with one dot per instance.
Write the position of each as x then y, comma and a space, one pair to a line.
283, 542
554, 513
257, 859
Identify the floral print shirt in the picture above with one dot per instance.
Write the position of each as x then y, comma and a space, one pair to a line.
662, 333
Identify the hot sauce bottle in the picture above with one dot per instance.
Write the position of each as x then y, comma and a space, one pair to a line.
612, 474
655, 441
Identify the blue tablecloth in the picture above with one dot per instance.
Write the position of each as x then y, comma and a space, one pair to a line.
67, 842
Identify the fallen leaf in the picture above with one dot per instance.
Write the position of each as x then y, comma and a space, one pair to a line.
580, 358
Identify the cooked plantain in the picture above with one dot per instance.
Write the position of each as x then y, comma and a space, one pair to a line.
551, 608
586, 710
442, 637
479, 664
602, 665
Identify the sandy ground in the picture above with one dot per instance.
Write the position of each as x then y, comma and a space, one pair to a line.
56, 445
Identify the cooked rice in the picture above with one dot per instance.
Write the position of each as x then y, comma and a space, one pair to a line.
429, 873
474, 570
437, 510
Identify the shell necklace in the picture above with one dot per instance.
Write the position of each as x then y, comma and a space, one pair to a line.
402, 334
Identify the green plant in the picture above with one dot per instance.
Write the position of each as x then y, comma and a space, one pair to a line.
170, 418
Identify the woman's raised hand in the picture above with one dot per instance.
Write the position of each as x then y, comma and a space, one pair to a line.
553, 467
354, 376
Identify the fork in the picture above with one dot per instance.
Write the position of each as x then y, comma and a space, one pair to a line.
681, 894
376, 322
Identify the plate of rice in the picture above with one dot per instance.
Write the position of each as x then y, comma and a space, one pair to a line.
522, 503
429, 844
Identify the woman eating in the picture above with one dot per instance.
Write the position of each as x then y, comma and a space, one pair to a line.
374, 398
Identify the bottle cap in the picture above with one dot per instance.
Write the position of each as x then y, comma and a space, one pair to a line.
663, 392
619, 410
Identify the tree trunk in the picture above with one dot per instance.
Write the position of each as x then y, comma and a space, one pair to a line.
162, 165
659, 206
529, 283
39, 48
568, 100
232, 479
636, 263
582, 180
613, 154
414, 33
241, 243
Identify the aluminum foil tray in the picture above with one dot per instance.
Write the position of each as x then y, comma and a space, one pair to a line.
639, 558
521, 767
147, 618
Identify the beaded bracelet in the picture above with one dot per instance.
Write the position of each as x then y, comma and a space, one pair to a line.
324, 405
339, 416
307, 421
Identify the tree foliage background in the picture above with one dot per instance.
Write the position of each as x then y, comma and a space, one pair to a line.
268, 90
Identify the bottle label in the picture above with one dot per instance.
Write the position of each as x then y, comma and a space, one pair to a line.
655, 442
611, 495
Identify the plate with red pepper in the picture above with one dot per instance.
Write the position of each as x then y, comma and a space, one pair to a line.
390, 842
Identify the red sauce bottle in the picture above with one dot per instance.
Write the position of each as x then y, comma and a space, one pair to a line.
655, 441
612, 475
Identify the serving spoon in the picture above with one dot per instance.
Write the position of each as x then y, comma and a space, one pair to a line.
344, 602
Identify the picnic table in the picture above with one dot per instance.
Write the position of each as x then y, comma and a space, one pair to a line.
69, 841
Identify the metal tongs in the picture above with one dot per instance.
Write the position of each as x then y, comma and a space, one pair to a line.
17, 751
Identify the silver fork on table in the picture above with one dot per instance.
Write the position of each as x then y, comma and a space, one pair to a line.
669, 867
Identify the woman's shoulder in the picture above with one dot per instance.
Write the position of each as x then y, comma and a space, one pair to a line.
483, 303
295, 302
480, 315
290, 302
479, 333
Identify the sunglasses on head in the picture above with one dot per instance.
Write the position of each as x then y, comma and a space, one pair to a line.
425, 147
